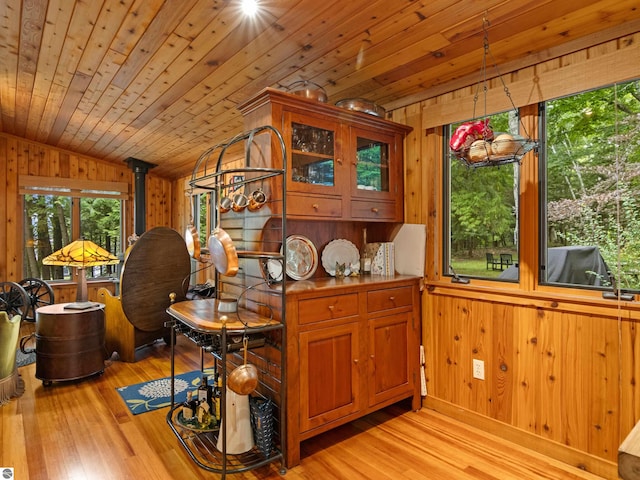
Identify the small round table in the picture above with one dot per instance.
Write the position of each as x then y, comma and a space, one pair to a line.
69, 342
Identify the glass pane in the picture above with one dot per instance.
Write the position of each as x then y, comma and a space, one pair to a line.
593, 189
47, 229
483, 210
201, 205
100, 223
373, 165
312, 159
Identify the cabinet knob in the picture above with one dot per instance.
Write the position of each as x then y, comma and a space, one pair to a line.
355, 360
339, 161
315, 206
392, 298
374, 210
331, 307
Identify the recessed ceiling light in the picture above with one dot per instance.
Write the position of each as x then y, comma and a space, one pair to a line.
249, 7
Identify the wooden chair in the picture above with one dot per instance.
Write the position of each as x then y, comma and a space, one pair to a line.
156, 265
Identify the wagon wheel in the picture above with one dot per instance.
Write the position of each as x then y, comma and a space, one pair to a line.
40, 294
13, 299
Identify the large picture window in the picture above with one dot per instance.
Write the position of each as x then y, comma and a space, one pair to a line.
591, 189
55, 216
481, 236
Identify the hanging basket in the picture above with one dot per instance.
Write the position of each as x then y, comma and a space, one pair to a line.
502, 149
474, 142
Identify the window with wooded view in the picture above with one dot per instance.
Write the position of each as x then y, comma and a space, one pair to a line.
592, 172
483, 211
49, 222
589, 194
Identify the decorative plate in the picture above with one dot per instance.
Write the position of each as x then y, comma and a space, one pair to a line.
271, 269
340, 251
302, 257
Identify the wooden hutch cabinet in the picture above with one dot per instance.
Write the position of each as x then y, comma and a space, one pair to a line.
342, 165
352, 344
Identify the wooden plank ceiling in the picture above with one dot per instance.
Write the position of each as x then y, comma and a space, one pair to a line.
160, 80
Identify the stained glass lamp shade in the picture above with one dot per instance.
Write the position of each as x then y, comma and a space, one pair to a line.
81, 254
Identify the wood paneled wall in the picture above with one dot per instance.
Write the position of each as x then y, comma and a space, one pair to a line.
21, 157
561, 370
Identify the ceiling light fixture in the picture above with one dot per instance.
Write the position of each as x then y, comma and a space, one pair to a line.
249, 7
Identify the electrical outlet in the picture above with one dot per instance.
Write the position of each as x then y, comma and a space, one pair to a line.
478, 369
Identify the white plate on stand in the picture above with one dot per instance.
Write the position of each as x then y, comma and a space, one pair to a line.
340, 251
271, 270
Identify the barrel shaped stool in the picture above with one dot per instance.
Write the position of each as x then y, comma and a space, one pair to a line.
69, 343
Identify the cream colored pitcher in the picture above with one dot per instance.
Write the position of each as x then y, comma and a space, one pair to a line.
237, 421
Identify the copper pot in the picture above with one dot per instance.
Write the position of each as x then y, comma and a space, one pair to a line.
223, 252
362, 105
256, 200
307, 89
192, 239
191, 235
239, 202
224, 205
244, 379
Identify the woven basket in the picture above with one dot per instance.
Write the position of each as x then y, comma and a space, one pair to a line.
262, 424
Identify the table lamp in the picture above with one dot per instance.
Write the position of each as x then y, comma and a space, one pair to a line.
81, 254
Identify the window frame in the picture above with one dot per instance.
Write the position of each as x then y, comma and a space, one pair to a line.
543, 223
446, 237
532, 248
75, 190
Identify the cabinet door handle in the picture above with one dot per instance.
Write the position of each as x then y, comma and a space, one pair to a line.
374, 209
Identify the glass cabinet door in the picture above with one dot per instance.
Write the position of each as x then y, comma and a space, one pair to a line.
372, 164
375, 172
313, 152
312, 159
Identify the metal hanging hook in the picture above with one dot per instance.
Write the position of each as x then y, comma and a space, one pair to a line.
506, 149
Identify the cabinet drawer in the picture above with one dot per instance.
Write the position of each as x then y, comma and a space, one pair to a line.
310, 206
378, 300
373, 210
327, 308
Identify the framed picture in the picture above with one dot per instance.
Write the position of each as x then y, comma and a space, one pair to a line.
236, 181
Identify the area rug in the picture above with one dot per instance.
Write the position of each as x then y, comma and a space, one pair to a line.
148, 396
23, 359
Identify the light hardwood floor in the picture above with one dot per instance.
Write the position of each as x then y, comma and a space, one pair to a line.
82, 430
